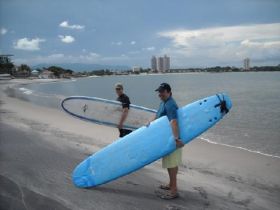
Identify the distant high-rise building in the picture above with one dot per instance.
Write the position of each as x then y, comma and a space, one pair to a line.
247, 64
154, 64
166, 63
160, 64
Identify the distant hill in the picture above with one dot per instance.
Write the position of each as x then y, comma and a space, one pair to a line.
83, 67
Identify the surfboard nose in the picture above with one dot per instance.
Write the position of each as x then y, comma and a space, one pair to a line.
79, 181
81, 175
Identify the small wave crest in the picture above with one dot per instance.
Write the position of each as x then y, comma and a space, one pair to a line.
26, 91
241, 148
40, 94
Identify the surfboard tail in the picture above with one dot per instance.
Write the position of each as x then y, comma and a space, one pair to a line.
199, 116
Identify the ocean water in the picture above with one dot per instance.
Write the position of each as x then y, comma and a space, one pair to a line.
253, 123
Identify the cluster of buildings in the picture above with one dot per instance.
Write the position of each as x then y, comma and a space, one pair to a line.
160, 64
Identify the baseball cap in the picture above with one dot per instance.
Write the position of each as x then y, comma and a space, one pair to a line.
164, 86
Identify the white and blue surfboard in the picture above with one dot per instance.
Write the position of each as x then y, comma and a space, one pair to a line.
147, 144
106, 112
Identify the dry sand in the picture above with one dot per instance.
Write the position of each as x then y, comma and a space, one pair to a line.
39, 147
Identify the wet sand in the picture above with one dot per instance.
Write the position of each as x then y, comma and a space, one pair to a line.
39, 147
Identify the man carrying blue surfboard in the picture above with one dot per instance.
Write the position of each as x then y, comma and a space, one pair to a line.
168, 107
124, 99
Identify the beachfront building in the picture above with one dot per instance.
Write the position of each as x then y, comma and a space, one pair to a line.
166, 63
66, 75
160, 64
136, 69
35, 73
246, 64
4, 59
160, 67
46, 74
6, 65
154, 64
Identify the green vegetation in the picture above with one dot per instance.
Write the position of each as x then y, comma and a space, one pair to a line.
218, 69
22, 71
59, 72
25, 71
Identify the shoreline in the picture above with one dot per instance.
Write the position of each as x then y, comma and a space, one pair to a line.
23, 82
240, 148
40, 146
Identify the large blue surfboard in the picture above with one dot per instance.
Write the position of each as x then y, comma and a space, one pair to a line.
147, 144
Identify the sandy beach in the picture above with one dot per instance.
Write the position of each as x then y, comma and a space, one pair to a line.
40, 146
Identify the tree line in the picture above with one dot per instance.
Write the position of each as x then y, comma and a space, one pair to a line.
24, 70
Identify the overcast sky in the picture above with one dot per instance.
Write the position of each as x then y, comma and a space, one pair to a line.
194, 33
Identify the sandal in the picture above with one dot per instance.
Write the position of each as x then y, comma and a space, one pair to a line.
164, 187
169, 196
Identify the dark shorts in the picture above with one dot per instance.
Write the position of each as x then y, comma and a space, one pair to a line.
124, 132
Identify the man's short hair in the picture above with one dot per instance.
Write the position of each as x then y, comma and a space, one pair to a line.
119, 85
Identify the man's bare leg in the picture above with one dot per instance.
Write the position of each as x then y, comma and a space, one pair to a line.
173, 179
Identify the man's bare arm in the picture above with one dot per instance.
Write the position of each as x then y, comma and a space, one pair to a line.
175, 130
148, 123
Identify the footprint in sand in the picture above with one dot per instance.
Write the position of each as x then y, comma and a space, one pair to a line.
201, 191
245, 202
131, 183
174, 207
203, 194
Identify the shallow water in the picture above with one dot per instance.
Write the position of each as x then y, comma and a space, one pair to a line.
253, 123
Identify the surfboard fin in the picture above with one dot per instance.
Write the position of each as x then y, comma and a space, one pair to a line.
222, 104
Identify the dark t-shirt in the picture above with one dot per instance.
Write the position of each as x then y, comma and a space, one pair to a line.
124, 99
